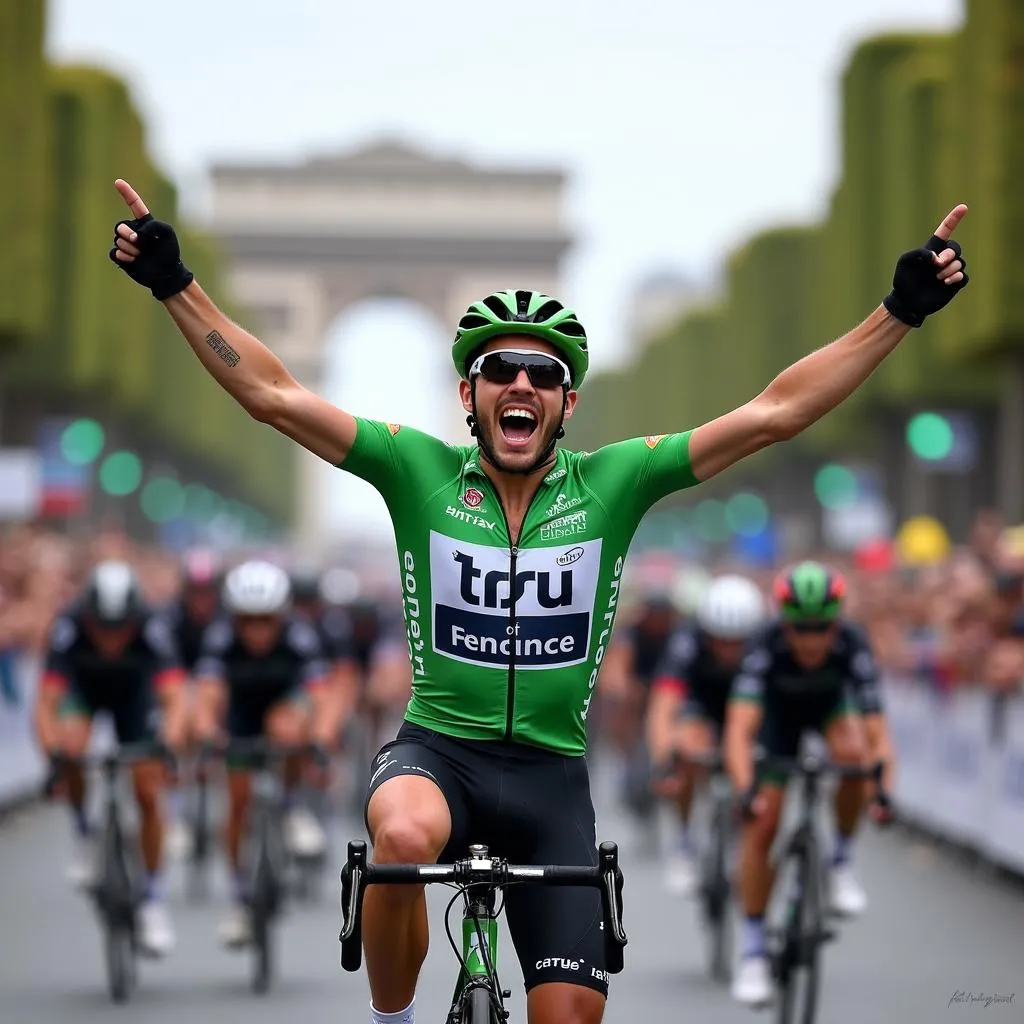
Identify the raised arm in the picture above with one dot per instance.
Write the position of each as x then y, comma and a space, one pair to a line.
237, 360
926, 279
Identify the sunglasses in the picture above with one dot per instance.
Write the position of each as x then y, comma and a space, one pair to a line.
811, 627
245, 621
503, 365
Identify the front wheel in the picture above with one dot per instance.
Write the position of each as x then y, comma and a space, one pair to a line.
120, 956
477, 1007
262, 954
717, 902
813, 929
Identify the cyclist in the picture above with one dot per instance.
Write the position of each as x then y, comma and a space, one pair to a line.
337, 640
198, 603
188, 618
511, 555
262, 673
382, 652
690, 693
109, 652
627, 673
806, 672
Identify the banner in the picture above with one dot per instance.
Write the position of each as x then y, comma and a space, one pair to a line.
953, 777
22, 769
1004, 842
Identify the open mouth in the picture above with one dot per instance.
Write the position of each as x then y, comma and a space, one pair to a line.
517, 425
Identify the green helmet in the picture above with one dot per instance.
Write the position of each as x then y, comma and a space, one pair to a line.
809, 591
522, 312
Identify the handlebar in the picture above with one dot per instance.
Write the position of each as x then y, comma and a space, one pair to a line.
812, 766
260, 749
111, 761
487, 871
712, 760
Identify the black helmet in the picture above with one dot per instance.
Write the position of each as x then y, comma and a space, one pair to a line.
113, 596
305, 584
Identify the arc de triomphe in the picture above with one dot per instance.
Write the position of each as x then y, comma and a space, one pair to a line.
306, 241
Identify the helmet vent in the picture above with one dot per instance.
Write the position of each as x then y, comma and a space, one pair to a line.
472, 320
548, 310
523, 303
497, 307
573, 329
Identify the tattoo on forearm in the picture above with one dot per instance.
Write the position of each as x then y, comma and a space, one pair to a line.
227, 354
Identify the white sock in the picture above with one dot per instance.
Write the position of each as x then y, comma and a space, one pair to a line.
405, 1016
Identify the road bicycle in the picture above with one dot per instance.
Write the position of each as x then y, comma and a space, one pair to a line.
267, 855
714, 889
794, 946
116, 889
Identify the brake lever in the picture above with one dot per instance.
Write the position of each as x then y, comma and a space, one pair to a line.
611, 899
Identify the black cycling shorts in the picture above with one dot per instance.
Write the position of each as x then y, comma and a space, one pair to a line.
697, 705
247, 711
529, 806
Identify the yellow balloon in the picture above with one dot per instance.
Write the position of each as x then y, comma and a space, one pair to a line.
923, 541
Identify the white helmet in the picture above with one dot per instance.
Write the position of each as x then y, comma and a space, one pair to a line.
256, 588
732, 608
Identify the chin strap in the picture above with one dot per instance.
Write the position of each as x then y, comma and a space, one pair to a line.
542, 458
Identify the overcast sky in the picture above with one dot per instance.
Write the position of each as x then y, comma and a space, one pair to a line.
683, 126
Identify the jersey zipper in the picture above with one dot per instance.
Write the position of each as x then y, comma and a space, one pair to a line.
513, 550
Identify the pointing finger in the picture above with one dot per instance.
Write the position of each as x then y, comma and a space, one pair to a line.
134, 200
948, 226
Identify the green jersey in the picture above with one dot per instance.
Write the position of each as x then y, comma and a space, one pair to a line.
506, 639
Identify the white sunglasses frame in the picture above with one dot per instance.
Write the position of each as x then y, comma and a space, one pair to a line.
474, 370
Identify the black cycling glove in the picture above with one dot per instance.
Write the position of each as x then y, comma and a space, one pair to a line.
916, 291
158, 266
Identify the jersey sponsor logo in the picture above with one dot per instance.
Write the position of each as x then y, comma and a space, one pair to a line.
159, 637
468, 517
473, 596
652, 440
863, 666
394, 428
565, 526
562, 504
605, 624
570, 556
554, 475
473, 498
683, 646
412, 616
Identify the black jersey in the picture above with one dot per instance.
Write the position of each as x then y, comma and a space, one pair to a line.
690, 668
770, 674
73, 663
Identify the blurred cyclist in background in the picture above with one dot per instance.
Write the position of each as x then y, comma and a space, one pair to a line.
627, 674
188, 617
688, 701
810, 671
262, 673
334, 629
109, 652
